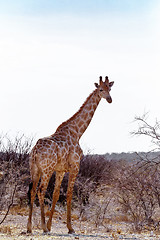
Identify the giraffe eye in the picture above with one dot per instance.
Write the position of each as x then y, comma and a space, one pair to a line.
101, 90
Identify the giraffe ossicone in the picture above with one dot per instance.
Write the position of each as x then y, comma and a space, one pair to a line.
62, 153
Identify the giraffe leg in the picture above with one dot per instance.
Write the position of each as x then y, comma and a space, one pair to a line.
71, 181
59, 178
41, 194
32, 197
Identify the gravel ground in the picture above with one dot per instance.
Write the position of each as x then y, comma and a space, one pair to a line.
14, 228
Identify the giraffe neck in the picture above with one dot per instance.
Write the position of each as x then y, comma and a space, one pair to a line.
79, 122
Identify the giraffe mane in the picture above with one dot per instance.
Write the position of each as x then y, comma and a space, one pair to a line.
80, 109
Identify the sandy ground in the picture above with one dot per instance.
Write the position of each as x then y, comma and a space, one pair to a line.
14, 228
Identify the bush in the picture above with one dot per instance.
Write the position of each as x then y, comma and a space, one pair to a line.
15, 167
137, 197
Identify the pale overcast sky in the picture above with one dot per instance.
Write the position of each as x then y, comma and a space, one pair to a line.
52, 52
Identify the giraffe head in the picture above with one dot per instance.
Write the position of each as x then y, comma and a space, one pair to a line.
104, 88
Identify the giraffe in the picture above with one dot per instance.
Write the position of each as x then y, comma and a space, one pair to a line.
62, 153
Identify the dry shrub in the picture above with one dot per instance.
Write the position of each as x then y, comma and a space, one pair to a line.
15, 168
121, 218
94, 171
137, 196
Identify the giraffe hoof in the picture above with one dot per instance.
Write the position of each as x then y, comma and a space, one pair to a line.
45, 230
71, 231
46, 233
49, 226
29, 231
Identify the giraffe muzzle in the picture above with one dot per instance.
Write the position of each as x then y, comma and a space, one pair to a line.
109, 99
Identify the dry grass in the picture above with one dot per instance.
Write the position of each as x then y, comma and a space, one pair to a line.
18, 210
5, 229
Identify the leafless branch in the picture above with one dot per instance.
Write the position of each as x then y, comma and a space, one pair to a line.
10, 205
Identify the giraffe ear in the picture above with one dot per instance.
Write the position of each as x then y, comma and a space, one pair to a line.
111, 84
96, 84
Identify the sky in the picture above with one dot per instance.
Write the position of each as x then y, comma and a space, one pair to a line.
53, 51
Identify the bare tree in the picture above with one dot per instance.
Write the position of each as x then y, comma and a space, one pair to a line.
145, 128
150, 158
138, 185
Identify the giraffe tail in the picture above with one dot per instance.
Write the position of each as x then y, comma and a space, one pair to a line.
32, 160
34, 171
29, 192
